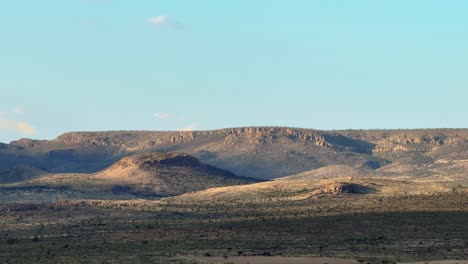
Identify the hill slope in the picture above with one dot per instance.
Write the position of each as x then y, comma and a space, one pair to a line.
143, 175
20, 172
332, 171
260, 152
298, 190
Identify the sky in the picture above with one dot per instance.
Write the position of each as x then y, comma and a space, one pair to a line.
93, 65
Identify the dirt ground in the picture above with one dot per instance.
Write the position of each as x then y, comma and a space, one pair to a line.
276, 260
441, 262
303, 260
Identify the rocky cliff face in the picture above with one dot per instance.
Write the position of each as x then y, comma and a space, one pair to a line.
263, 152
360, 141
150, 160
413, 140
133, 141
321, 139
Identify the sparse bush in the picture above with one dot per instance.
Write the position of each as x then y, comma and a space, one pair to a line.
11, 241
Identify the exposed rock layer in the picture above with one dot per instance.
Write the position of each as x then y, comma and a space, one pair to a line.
262, 152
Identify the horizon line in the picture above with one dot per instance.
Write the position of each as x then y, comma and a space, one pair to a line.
240, 127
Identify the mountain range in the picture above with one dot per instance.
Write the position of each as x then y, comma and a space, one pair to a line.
377, 196
256, 152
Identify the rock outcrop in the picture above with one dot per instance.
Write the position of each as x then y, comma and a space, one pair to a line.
260, 152
346, 188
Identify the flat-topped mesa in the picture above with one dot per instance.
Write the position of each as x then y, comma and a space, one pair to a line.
341, 140
130, 138
436, 139
323, 139
262, 135
416, 136
141, 140
253, 134
260, 152
411, 142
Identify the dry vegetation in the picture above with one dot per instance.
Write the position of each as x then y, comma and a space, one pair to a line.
259, 152
366, 196
151, 176
391, 223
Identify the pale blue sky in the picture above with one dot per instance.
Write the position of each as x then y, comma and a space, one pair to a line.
173, 64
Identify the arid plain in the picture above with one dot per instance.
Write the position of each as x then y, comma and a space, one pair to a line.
240, 195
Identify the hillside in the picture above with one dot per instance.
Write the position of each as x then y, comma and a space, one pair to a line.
148, 175
20, 172
260, 152
298, 190
332, 171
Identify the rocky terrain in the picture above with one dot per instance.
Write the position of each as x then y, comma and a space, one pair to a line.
364, 220
285, 189
259, 152
150, 175
358, 196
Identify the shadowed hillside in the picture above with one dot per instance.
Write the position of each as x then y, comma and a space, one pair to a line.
260, 152
148, 175
20, 172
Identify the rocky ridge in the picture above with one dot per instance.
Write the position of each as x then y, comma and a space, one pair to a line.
260, 152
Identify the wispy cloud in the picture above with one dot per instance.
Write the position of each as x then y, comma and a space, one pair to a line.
9, 121
166, 21
165, 116
159, 20
16, 126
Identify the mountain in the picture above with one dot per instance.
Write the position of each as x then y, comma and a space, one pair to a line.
259, 152
149, 175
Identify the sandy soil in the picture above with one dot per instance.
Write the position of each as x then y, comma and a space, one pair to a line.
441, 262
303, 260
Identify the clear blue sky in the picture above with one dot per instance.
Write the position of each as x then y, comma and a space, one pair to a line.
198, 64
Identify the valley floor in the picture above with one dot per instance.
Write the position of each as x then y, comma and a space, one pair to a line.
278, 260
362, 228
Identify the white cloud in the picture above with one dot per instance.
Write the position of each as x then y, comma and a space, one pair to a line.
164, 116
16, 126
159, 20
166, 21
